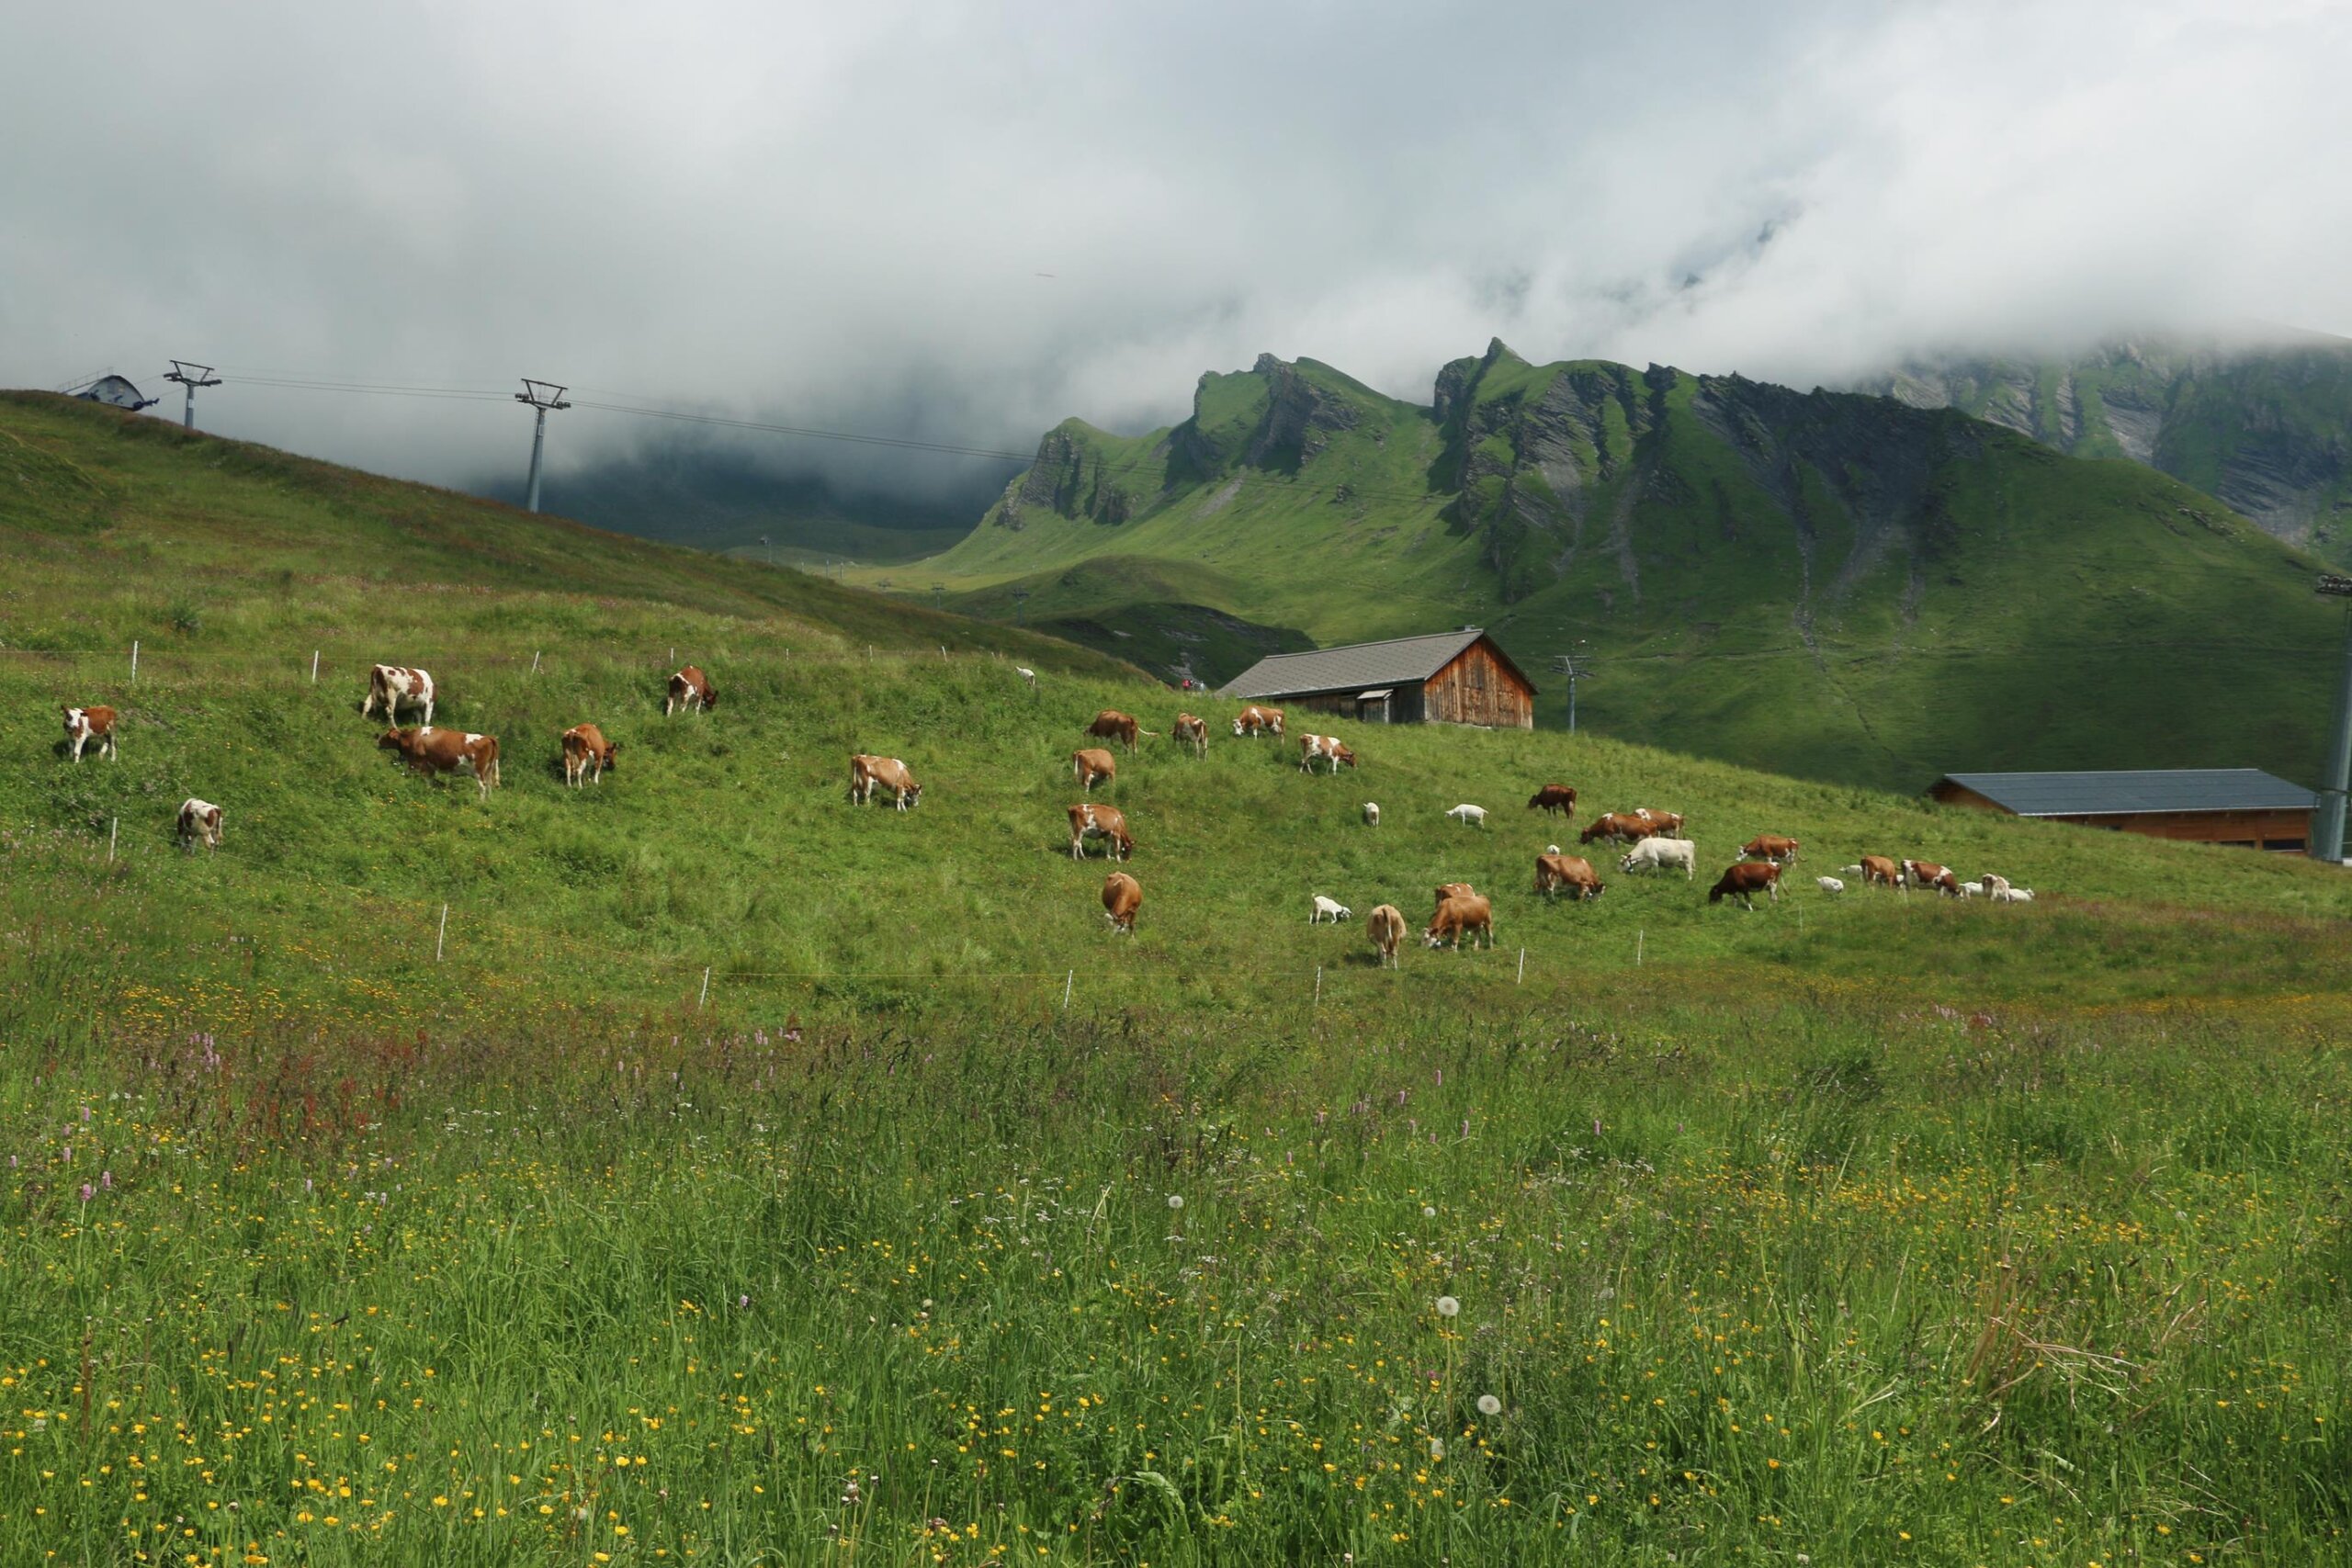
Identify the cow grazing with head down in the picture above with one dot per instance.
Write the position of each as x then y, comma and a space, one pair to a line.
586, 754
1880, 871
1122, 897
868, 774
1744, 881
1454, 890
1091, 766
1386, 926
1192, 734
1105, 822
689, 689
1554, 798
1617, 828
1313, 749
396, 687
1256, 720
1112, 725
1572, 874
1660, 854
1770, 846
433, 752
1664, 824
200, 823
1468, 914
1928, 873
90, 727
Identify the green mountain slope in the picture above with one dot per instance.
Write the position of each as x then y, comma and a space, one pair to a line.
1833, 585
2265, 428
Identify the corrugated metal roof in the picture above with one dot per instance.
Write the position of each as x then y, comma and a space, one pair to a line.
2122, 793
1400, 661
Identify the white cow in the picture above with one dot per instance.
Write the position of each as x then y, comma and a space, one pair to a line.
1830, 884
1330, 909
396, 687
199, 824
1659, 854
1370, 814
1469, 816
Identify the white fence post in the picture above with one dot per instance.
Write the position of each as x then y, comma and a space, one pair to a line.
1639, 937
705, 999
1068, 981
442, 935
315, 667
1318, 985
535, 662
134, 661
1522, 968
113, 824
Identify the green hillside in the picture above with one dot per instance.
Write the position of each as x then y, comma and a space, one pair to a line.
1831, 585
696, 1168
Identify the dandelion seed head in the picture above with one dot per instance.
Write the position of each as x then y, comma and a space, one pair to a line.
1175, 1200
1489, 1405
1448, 1308
1428, 1212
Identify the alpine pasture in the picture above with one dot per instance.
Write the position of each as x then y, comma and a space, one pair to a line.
751, 1176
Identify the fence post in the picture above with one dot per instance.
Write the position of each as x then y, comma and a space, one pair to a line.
705, 1000
113, 823
1638, 936
1068, 981
134, 661
315, 667
1318, 985
535, 662
1522, 968
441, 935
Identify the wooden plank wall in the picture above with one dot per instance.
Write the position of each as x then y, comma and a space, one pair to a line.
1478, 688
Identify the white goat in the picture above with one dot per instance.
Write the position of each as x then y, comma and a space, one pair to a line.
1469, 816
1370, 814
1829, 885
1331, 909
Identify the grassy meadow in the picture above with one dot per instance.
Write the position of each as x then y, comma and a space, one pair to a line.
939, 1225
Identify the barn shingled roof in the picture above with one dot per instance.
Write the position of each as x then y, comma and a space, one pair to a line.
1399, 661
2131, 792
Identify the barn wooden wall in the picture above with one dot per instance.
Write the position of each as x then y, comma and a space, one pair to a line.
2257, 829
1478, 688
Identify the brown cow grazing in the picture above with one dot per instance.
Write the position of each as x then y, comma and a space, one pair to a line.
1092, 766
587, 752
1454, 890
689, 688
396, 687
1191, 734
868, 774
1468, 913
1258, 720
1313, 749
199, 822
1106, 822
433, 752
1555, 797
1745, 880
1122, 897
1571, 874
1928, 873
1882, 870
1773, 847
85, 726
1664, 824
1112, 725
1618, 828
1386, 926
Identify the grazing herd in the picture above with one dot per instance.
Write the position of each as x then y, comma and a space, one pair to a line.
1652, 840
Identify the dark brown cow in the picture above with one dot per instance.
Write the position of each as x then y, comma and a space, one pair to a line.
1928, 873
1773, 847
1092, 766
689, 688
1883, 870
1555, 797
1745, 880
586, 752
1107, 822
1122, 897
1570, 873
85, 726
1470, 914
433, 752
1112, 725
1192, 734
1618, 828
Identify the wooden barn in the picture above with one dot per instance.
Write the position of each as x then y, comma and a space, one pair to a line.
1457, 677
2244, 807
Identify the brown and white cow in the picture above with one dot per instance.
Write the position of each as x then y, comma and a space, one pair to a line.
1555, 797
1122, 897
1454, 890
199, 824
1469, 913
1883, 870
587, 752
1745, 880
394, 687
689, 688
1570, 873
1928, 873
1386, 926
1313, 749
868, 774
1092, 766
1112, 725
1259, 720
1773, 847
1617, 828
1106, 822
433, 752
89, 726
1664, 824
1192, 734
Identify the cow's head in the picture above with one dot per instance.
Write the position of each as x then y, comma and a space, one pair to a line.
612, 755
1594, 891
392, 740
1343, 755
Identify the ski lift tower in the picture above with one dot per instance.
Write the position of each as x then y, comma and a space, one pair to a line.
542, 396
2327, 810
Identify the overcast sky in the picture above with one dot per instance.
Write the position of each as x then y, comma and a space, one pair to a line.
963, 222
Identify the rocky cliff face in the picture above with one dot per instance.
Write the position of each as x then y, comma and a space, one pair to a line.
1072, 476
